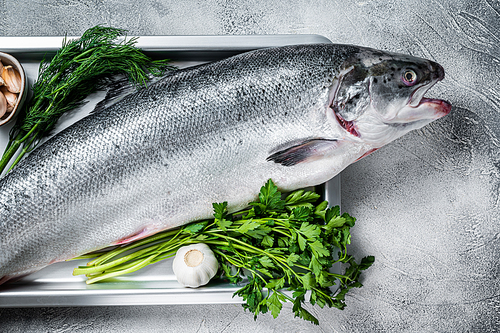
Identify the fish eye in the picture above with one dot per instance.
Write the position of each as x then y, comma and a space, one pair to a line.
409, 77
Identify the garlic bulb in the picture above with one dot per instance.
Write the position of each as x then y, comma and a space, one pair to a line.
194, 265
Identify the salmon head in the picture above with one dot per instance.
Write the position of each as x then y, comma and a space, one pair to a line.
379, 96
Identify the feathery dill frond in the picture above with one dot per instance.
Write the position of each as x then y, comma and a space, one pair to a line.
81, 67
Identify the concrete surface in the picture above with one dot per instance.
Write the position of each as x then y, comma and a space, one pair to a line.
427, 204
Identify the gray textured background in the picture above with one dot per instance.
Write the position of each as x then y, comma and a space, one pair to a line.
427, 204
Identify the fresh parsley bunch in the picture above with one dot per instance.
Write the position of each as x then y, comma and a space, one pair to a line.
284, 247
288, 244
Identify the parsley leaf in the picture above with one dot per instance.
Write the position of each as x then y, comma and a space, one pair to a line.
366, 262
274, 304
310, 231
302, 242
276, 283
266, 262
220, 213
318, 249
270, 197
267, 241
194, 228
247, 226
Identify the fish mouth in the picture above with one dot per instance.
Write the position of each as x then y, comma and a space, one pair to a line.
441, 108
347, 125
418, 94
417, 100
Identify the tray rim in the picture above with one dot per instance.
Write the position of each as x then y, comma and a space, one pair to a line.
160, 43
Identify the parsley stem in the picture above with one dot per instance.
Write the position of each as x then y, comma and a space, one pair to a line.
257, 250
248, 246
134, 268
100, 268
319, 291
230, 260
282, 232
254, 273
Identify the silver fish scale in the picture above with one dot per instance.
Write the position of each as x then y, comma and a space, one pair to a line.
160, 157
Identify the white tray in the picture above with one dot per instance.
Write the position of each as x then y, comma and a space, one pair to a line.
156, 284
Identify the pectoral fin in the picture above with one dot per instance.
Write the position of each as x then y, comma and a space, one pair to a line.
307, 151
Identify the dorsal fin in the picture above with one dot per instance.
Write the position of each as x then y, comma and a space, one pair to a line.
117, 89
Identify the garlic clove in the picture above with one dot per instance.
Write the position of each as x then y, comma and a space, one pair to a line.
3, 105
194, 265
12, 79
10, 97
1, 71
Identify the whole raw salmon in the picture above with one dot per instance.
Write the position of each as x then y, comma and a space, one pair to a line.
160, 157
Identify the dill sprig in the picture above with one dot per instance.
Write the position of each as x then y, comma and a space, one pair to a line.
81, 67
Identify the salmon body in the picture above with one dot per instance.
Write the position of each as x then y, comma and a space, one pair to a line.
160, 157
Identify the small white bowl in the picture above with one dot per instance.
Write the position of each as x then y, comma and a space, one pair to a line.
7, 59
